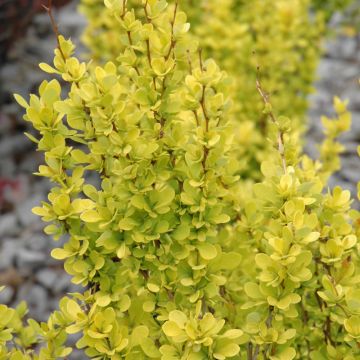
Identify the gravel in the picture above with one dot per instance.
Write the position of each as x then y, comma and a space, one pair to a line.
25, 264
24, 213
6, 295
338, 74
26, 267
30, 259
8, 224
48, 278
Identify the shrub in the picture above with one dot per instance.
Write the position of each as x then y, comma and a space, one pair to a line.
172, 266
301, 299
155, 132
279, 36
329, 7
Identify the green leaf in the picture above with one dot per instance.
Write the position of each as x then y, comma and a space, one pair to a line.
48, 69
207, 251
90, 216
73, 308
138, 334
226, 261
127, 224
153, 287
21, 101
124, 303
149, 306
60, 254
149, 348
181, 232
221, 219
225, 349
103, 299
171, 328
178, 317
352, 326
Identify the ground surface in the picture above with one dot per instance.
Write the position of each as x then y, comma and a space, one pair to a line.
338, 74
25, 264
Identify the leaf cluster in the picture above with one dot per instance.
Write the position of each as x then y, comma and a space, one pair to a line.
180, 259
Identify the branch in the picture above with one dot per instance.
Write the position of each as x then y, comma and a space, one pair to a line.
146, 12
265, 98
54, 26
124, 10
200, 60
249, 351
173, 42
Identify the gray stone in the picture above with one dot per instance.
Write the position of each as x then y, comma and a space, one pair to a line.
62, 283
337, 180
336, 19
42, 187
315, 132
77, 355
6, 295
36, 298
30, 259
72, 19
30, 162
351, 149
14, 145
319, 101
343, 47
8, 252
329, 66
7, 167
24, 213
354, 134
8, 225
356, 121
352, 93
311, 149
351, 169
5, 123
38, 242
9, 71
47, 277
74, 288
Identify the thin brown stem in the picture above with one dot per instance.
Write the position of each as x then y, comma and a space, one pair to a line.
250, 351
203, 107
281, 147
189, 61
327, 331
131, 43
54, 26
124, 10
200, 60
146, 12
173, 41
256, 352
129, 37
148, 51
270, 317
196, 117
147, 40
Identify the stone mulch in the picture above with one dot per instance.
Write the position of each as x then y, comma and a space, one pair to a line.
25, 264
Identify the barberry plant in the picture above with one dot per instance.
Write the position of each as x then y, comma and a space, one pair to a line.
280, 36
176, 263
328, 8
144, 241
302, 300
